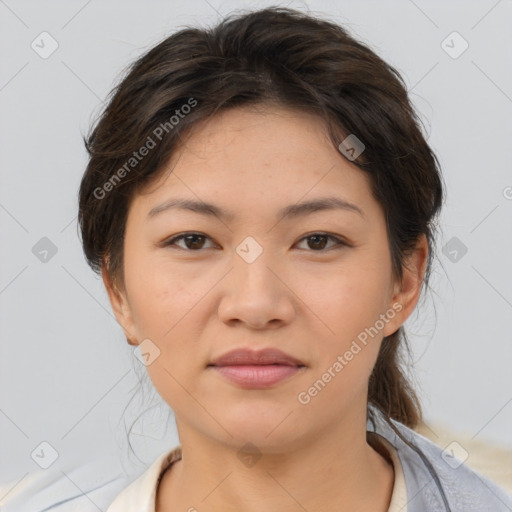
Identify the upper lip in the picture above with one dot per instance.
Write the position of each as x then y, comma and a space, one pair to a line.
244, 356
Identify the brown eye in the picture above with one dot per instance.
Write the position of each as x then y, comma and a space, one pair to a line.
193, 241
318, 241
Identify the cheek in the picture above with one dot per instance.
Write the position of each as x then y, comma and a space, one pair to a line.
354, 296
347, 357
350, 308
165, 306
159, 298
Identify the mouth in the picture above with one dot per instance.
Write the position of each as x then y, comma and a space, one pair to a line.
257, 369
257, 376
244, 356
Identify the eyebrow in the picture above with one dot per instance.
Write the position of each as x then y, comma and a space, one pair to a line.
294, 210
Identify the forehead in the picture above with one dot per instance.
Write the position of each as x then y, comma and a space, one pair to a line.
259, 158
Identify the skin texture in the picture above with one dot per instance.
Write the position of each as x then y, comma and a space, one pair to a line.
308, 297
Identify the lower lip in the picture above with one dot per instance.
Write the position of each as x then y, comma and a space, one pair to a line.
257, 376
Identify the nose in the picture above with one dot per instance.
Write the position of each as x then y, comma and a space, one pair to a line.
256, 294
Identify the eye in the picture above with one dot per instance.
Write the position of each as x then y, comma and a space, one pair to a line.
193, 241
319, 241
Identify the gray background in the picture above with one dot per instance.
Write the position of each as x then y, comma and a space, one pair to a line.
66, 370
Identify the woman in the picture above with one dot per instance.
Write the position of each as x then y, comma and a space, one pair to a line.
261, 203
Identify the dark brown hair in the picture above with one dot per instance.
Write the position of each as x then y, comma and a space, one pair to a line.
271, 56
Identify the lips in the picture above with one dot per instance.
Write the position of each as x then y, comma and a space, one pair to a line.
240, 357
261, 369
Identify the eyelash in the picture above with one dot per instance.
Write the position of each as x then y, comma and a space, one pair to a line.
339, 243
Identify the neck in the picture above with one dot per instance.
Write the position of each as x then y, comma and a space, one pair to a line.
329, 469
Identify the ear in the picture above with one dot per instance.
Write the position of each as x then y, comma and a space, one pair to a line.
407, 292
121, 307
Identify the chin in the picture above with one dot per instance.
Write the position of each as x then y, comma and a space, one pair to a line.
272, 432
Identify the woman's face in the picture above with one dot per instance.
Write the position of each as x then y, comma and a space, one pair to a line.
257, 279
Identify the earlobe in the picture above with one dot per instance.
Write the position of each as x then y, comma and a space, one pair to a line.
120, 307
409, 289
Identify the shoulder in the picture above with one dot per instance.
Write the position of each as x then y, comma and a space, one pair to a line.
85, 488
99, 484
140, 495
436, 479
